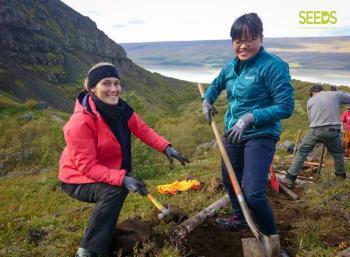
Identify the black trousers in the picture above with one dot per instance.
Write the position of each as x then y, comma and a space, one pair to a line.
109, 202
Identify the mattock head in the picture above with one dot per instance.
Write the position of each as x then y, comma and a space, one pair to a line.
164, 212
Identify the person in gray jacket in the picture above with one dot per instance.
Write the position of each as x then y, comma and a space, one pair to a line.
325, 127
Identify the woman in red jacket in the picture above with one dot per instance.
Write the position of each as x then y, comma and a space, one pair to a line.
95, 165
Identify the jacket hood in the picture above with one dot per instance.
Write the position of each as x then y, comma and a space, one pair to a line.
83, 103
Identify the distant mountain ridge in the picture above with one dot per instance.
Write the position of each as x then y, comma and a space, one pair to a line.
308, 53
47, 47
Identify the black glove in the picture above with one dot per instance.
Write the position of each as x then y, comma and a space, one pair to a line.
134, 185
208, 110
235, 134
171, 153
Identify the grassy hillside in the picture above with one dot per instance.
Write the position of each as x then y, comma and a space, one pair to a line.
37, 219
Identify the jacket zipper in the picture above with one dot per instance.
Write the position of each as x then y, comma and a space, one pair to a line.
233, 91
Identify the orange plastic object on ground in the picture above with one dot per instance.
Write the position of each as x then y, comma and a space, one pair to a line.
274, 180
179, 186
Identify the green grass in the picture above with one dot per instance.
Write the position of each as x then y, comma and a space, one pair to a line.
31, 202
325, 213
35, 202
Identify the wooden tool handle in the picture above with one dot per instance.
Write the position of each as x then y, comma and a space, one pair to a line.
155, 202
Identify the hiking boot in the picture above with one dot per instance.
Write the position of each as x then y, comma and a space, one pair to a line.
85, 253
233, 222
288, 182
341, 176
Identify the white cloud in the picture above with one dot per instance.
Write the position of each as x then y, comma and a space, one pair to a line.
165, 20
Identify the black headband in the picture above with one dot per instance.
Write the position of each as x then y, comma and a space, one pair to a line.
100, 73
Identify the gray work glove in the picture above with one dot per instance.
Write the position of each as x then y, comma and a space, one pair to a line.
134, 185
208, 110
235, 134
171, 153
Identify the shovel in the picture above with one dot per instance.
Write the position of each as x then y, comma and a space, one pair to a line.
262, 245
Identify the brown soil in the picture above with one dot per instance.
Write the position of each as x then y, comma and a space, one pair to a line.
208, 240
216, 185
36, 235
134, 232
130, 233
211, 241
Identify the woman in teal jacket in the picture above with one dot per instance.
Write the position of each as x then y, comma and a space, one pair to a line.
259, 95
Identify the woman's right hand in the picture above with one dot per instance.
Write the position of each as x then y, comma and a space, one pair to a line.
171, 153
208, 110
134, 185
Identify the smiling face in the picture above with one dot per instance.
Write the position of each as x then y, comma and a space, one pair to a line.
108, 90
247, 46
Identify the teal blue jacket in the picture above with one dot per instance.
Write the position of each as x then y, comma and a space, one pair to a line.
262, 87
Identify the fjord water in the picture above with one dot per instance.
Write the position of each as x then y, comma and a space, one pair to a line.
207, 74
313, 59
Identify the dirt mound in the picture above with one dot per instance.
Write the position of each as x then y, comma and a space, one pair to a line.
211, 241
130, 233
216, 185
37, 235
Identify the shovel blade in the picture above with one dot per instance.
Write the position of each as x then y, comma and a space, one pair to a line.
269, 246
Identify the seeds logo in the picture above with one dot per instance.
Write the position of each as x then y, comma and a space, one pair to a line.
320, 18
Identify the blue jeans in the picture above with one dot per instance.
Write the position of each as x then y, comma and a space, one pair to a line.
330, 137
109, 202
251, 161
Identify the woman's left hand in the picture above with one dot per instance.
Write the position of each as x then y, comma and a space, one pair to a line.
171, 153
235, 134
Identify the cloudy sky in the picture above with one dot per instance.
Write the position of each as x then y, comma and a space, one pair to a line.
176, 20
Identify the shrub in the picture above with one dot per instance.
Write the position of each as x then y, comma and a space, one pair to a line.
31, 104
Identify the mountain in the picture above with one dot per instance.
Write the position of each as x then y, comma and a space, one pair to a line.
307, 53
47, 48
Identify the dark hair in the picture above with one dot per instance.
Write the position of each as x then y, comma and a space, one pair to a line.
248, 25
315, 89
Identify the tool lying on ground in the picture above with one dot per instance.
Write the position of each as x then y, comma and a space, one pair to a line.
179, 186
261, 245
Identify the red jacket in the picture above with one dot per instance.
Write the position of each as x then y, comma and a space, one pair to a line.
345, 119
92, 153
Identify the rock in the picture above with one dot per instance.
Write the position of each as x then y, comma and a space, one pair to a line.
286, 145
344, 253
204, 147
28, 116
42, 105
57, 118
